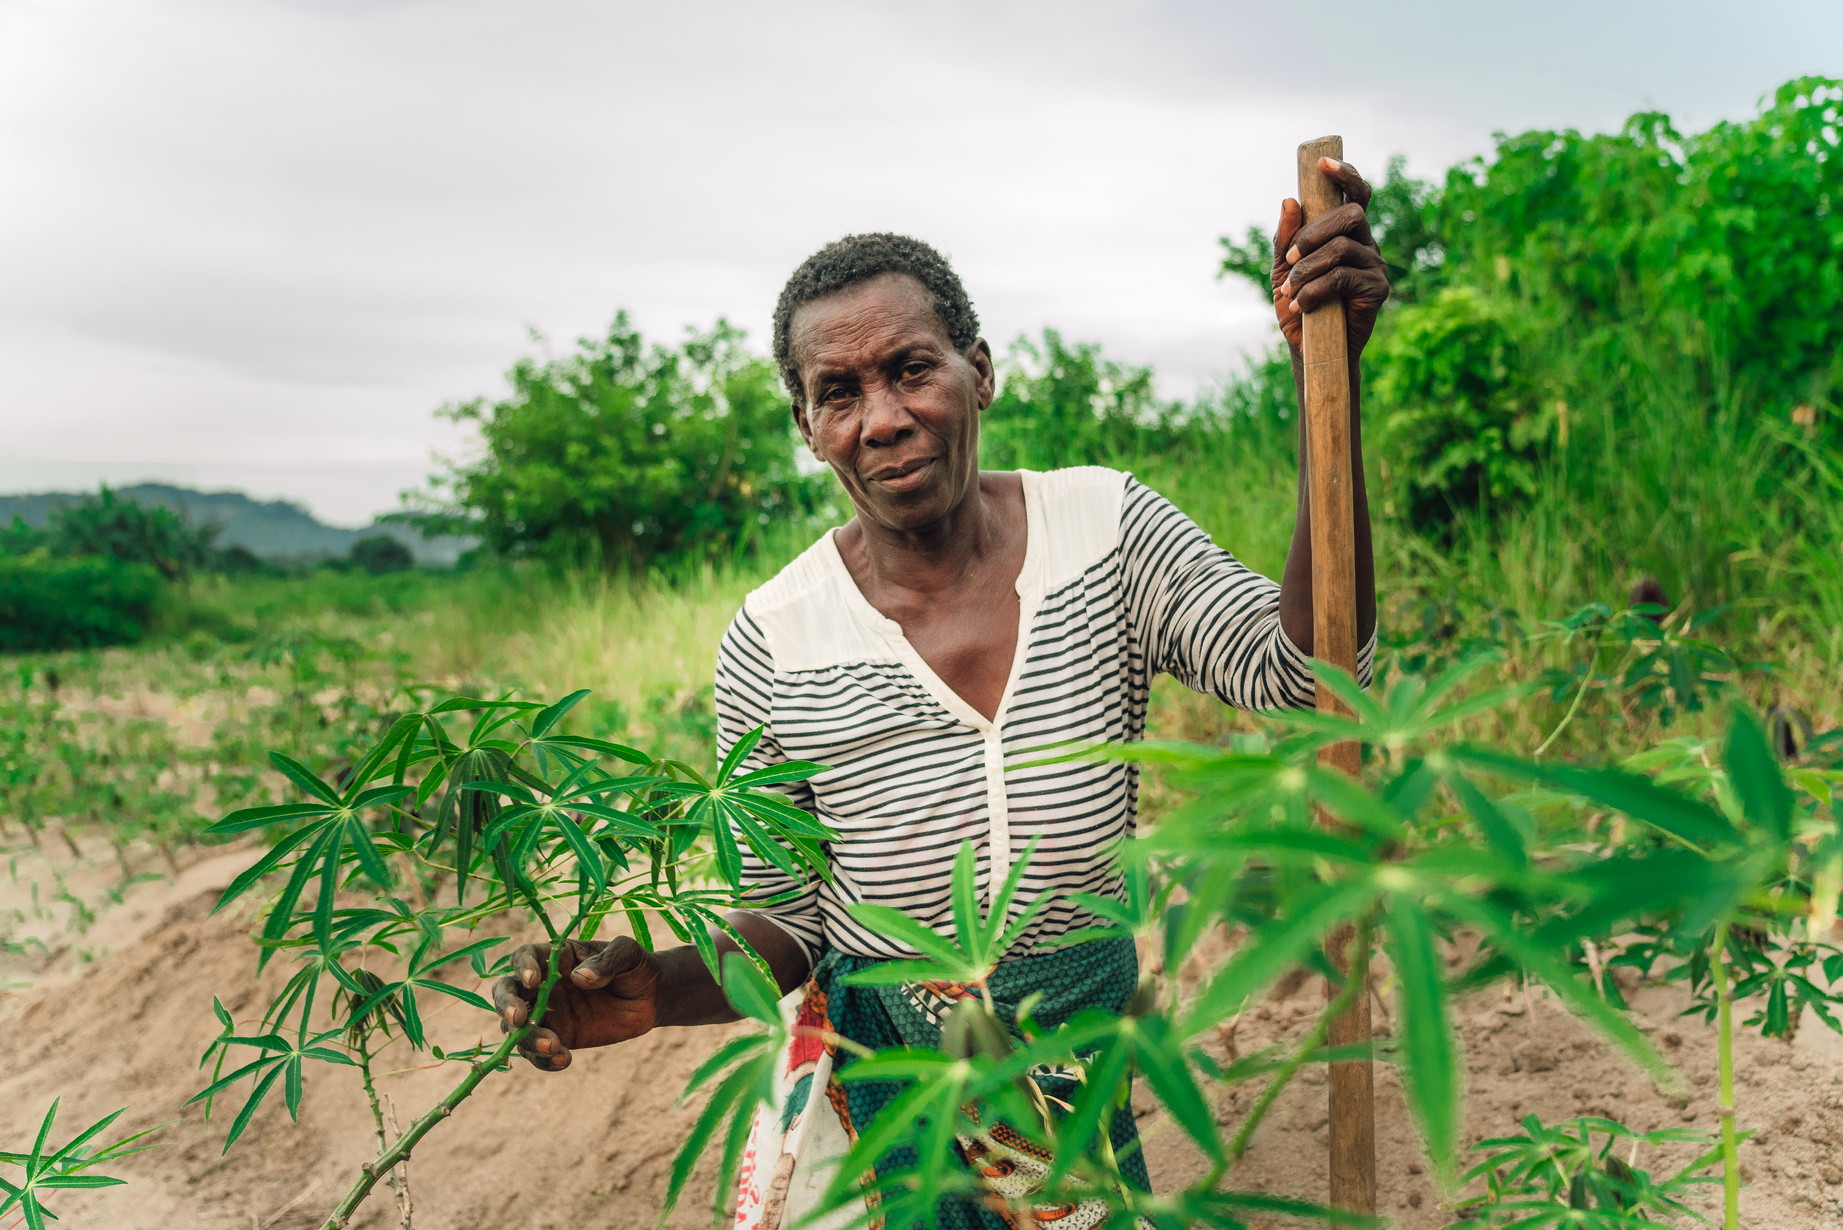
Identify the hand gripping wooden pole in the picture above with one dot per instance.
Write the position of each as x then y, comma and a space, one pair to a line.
1334, 640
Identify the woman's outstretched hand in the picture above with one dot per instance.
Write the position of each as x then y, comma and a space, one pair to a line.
607, 992
1332, 257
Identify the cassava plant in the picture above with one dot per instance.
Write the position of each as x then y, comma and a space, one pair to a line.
1428, 854
1651, 663
505, 814
49, 1170
1551, 1176
1760, 852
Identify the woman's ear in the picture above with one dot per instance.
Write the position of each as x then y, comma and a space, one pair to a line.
805, 428
979, 355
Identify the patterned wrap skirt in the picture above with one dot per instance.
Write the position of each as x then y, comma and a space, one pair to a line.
793, 1149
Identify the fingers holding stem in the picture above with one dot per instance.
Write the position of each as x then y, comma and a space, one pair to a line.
522, 997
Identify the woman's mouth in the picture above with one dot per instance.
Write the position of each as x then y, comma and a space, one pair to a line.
906, 477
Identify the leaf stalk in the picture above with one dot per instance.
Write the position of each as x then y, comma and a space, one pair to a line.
1724, 1060
341, 1215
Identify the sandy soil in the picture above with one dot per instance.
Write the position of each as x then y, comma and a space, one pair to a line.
591, 1148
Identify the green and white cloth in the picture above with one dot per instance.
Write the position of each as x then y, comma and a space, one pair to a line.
794, 1148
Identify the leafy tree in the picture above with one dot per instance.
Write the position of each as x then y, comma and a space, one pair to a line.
626, 455
109, 527
18, 538
1649, 236
1672, 282
380, 553
1062, 405
239, 560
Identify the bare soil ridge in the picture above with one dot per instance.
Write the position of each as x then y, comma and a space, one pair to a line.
590, 1149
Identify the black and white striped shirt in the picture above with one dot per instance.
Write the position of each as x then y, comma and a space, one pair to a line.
1117, 585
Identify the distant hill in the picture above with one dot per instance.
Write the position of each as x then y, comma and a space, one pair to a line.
273, 529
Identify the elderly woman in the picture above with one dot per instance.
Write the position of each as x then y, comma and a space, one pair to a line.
959, 620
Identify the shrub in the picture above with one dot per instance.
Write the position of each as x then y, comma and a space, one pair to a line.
380, 553
18, 538
132, 532
1714, 252
625, 455
1062, 405
1460, 425
237, 560
49, 603
1680, 291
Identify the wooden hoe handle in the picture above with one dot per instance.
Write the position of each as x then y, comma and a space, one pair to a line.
1327, 425
1334, 640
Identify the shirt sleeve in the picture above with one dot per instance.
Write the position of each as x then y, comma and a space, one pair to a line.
744, 701
1204, 617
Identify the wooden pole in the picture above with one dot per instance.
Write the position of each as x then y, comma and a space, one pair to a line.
1334, 640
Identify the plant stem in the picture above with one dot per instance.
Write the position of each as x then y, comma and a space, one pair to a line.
1104, 1143
405, 1205
1298, 1059
1592, 661
377, 1113
1724, 1052
341, 1215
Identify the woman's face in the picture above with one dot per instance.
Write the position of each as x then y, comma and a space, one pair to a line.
889, 403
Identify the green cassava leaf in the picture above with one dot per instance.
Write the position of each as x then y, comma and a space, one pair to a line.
726, 1055
261, 817
749, 990
726, 1100
1429, 1052
1496, 826
1502, 933
1755, 772
737, 754
304, 778
1639, 797
1274, 950
1161, 1058
550, 715
891, 922
619, 751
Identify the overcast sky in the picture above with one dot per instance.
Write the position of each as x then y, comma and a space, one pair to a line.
255, 243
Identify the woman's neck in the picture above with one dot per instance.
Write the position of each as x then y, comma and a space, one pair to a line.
936, 558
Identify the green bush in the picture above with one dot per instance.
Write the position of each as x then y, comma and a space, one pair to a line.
18, 538
50, 603
380, 553
106, 526
1460, 426
1614, 355
239, 561
1720, 252
627, 456
1062, 405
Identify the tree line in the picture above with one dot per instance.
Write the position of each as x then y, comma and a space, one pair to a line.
1545, 294
1600, 333
101, 567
